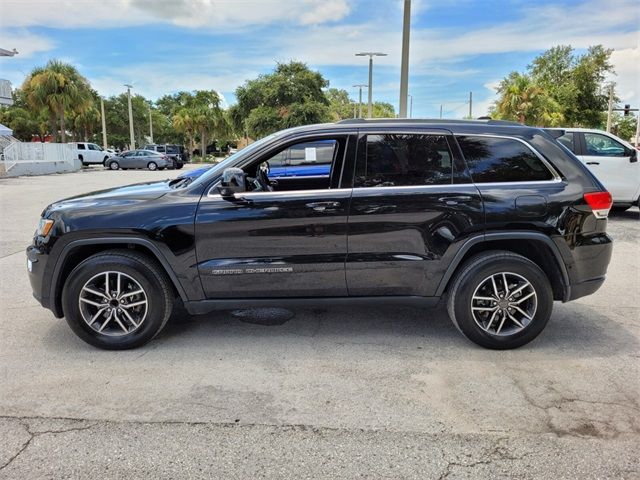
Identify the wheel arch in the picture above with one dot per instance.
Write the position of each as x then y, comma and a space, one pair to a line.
78, 250
535, 246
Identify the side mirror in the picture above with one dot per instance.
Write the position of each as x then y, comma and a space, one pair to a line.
227, 193
633, 156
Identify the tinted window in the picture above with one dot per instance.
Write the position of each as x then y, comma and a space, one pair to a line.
93, 146
80, 146
313, 153
159, 148
398, 160
603, 146
568, 141
492, 159
170, 149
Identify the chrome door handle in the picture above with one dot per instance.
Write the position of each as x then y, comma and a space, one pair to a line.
323, 206
455, 199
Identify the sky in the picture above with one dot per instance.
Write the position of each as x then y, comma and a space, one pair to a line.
457, 46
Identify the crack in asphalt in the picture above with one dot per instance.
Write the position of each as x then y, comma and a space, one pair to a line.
497, 449
32, 435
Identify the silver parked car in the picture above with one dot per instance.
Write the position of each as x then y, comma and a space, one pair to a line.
138, 159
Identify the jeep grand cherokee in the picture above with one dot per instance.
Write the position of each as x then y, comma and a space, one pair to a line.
496, 218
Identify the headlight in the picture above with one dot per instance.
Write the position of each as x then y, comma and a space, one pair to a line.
44, 227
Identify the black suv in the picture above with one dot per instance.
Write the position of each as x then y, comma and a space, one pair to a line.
495, 217
176, 153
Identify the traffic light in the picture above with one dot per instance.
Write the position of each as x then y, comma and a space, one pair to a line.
627, 109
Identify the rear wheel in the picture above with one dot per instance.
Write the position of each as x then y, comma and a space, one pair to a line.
500, 300
113, 165
117, 300
152, 166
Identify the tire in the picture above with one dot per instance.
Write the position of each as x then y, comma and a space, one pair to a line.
137, 272
160, 168
113, 165
179, 166
481, 320
152, 166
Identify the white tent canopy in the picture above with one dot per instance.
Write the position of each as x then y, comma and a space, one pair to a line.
5, 131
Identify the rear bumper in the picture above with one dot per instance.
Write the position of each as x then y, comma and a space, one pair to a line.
590, 259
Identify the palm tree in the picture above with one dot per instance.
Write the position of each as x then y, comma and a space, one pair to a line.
183, 122
59, 88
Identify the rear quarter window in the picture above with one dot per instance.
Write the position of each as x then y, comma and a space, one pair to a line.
498, 160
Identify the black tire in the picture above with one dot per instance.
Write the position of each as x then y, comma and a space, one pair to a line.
152, 166
179, 166
113, 165
474, 273
143, 270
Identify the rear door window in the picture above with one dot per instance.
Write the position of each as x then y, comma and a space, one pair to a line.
81, 146
395, 160
568, 140
498, 160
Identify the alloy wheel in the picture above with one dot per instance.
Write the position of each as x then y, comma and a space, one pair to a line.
504, 303
113, 303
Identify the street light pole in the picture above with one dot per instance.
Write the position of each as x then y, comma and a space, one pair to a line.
132, 140
370, 55
404, 66
359, 87
410, 105
104, 124
150, 124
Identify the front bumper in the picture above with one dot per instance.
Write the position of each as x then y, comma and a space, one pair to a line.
37, 261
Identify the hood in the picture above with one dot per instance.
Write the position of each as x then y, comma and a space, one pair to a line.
119, 196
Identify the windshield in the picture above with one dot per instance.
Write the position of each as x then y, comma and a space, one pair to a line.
229, 161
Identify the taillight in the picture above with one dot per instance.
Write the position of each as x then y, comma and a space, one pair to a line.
600, 203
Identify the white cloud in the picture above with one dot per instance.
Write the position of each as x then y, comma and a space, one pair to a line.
626, 63
25, 42
212, 15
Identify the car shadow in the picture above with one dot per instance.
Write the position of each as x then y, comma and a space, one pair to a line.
575, 330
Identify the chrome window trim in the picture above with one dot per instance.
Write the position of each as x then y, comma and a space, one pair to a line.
552, 170
288, 193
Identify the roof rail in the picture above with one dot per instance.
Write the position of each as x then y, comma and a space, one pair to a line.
482, 120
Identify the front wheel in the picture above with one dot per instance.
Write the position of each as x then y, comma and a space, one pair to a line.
114, 165
152, 166
117, 300
500, 300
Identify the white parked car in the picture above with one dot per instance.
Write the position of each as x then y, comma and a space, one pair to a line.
611, 159
91, 154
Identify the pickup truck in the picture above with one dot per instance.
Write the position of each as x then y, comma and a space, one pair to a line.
90, 153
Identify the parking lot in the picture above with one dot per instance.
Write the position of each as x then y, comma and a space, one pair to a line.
390, 392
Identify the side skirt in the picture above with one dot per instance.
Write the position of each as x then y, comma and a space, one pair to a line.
200, 307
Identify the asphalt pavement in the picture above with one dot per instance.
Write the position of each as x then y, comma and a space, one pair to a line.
345, 392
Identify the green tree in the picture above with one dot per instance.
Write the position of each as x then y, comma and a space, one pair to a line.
23, 120
575, 82
383, 110
290, 96
59, 88
117, 119
525, 101
340, 105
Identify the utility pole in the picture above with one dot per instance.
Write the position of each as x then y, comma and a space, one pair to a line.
132, 140
470, 105
410, 106
404, 66
360, 86
104, 124
610, 111
150, 125
440, 110
370, 55
638, 129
